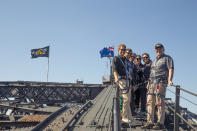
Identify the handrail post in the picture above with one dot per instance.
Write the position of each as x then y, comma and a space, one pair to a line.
116, 112
177, 100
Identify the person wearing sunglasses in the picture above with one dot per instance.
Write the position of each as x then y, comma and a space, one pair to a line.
120, 72
147, 65
132, 73
140, 92
132, 57
161, 74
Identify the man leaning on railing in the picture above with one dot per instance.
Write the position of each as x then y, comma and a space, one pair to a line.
119, 65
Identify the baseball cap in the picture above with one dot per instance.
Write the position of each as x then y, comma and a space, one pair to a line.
158, 45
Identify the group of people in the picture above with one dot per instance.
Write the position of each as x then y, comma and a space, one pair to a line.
143, 86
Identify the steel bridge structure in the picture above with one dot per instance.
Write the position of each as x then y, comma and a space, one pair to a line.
47, 92
99, 109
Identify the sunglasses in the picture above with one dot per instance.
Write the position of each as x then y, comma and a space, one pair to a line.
146, 57
158, 48
122, 49
128, 52
138, 58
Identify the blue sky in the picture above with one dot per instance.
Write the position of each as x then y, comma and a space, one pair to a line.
78, 29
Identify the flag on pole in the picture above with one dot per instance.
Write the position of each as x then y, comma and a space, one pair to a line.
40, 52
110, 48
107, 52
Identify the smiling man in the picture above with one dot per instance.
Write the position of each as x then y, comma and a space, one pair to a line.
161, 74
120, 71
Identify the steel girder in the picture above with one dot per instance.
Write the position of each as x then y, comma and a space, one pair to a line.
43, 92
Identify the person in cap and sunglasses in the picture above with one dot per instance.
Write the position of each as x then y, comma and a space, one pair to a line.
161, 74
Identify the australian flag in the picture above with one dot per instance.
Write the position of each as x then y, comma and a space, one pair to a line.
40, 52
107, 52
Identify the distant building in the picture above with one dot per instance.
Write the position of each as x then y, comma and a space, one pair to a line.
106, 79
79, 81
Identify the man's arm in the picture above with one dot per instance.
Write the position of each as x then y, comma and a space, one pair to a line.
116, 76
114, 69
171, 72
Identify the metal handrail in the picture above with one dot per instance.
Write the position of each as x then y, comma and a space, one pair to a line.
176, 111
181, 117
189, 92
116, 112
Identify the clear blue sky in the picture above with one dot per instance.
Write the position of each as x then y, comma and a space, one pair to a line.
78, 29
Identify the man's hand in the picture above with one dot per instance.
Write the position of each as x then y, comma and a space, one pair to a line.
116, 77
147, 86
116, 80
171, 71
170, 83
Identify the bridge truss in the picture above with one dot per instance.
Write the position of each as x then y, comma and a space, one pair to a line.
47, 92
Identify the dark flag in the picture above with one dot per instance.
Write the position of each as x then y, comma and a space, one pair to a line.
41, 52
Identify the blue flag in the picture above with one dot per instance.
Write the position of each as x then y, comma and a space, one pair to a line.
107, 52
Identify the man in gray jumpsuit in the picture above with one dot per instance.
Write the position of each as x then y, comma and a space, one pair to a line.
161, 74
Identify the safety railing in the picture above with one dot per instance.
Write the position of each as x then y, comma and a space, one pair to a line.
116, 111
176, 109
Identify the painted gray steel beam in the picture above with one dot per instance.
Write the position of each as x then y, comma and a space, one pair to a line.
40, 92
20, 109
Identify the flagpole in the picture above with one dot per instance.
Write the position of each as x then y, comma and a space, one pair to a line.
48, 67
48, 70
110, 60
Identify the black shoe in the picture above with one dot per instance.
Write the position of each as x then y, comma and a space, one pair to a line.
158, 126
147, 126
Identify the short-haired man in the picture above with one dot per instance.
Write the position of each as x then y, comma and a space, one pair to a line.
132, 57
132, 69
161, 74
119, 65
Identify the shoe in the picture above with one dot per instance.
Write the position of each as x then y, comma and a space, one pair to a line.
134, 114
136, 123
147, 126
138, 111
143, 112
158, 126
126, 121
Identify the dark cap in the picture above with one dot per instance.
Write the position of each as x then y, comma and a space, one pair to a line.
158, 45
128, 50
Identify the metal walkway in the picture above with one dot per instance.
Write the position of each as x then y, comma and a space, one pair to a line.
98, 115
94, 115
